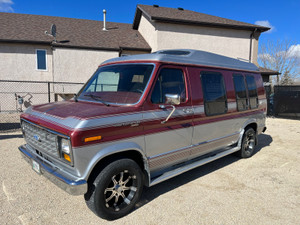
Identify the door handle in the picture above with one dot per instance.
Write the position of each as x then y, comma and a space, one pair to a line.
187, 110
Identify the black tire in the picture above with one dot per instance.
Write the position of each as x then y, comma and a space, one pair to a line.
248, 143
116, 189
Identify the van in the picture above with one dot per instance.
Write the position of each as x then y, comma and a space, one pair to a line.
143, 119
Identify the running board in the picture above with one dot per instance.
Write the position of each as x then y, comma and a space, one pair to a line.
182, 169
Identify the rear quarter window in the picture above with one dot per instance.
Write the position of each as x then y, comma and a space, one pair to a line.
240, 92
252, 91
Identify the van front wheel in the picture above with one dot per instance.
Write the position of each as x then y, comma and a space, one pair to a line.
116, 190
248, 143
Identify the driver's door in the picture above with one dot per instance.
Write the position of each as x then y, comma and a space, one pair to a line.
168, 143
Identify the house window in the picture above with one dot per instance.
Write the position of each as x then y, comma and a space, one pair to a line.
215, 100
240, 92
170, 81
41, 59
252, 92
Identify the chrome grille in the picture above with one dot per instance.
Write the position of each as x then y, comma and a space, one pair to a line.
40, 139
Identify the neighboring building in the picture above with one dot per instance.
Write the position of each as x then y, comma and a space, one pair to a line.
168, 28
265, 73
28, 54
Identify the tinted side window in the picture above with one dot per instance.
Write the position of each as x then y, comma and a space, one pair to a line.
170, 81
215, 100
252, 92
240, 92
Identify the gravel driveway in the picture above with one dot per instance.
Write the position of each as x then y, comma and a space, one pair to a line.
264, 189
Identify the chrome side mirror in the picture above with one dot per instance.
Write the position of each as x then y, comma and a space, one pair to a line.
172, 100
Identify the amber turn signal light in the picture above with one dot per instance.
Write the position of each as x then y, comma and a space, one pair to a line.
95, 138
67, 157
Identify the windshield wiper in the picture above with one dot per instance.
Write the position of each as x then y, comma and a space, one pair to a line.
97, 98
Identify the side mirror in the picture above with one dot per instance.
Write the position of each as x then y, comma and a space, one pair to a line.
172, 99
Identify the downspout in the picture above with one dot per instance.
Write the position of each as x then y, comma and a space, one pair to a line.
52, 48
251, 38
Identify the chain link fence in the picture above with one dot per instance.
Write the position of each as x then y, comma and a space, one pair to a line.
17, 96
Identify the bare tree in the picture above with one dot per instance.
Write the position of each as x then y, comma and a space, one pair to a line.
282, 56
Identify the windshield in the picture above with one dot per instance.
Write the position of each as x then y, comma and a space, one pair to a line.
117, 84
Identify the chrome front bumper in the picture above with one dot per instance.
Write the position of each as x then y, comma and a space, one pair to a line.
54, 175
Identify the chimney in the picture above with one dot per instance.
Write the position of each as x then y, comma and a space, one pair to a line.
104, 20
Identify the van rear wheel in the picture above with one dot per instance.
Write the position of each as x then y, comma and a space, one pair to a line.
116, 190
248, 143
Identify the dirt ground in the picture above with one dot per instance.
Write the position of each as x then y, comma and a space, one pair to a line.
264, 189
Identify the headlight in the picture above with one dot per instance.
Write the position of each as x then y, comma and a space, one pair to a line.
65, 146
66, 150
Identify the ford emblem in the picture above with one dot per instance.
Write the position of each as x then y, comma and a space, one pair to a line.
37, 137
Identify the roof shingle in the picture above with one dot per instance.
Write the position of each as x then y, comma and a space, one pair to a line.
184, 16
78, 33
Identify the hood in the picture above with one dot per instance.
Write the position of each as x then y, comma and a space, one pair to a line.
66, 116
79, 110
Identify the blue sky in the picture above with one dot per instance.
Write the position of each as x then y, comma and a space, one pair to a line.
282, 16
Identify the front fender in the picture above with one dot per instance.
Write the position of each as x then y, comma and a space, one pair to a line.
86, 158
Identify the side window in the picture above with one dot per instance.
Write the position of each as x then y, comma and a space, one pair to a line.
170, 81
41, 61
252, 92
240, 92
215, 100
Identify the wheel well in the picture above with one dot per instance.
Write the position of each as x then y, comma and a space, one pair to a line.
253, 126
131, 154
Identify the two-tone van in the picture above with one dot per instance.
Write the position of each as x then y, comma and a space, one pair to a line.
143, 119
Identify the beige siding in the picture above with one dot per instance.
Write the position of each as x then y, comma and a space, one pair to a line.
76, 65
18, 62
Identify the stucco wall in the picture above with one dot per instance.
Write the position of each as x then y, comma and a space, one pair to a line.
228, 42
149, 33
76, 65
18, 62
254, 54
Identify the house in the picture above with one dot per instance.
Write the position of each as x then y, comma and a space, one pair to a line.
28, 53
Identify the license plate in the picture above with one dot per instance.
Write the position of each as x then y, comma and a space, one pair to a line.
36, 166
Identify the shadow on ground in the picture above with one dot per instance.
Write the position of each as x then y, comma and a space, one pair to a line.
151, 193
263, 141
8, 136
9, 127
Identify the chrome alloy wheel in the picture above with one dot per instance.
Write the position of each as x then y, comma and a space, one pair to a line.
120, 191
249, 143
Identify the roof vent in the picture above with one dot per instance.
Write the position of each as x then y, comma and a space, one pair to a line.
173, 52
156, 6
179, 8
104, 20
